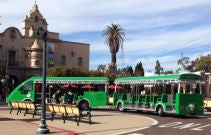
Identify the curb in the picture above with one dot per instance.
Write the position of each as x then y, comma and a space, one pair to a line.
155, 122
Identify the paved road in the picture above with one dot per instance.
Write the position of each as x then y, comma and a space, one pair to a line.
177, 126
104, 122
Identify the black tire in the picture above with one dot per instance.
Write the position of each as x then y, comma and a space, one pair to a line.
160, 111
120, 107
27, 100
139, 111
183, 116
84, 105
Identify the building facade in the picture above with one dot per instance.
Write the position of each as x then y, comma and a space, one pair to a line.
21, 53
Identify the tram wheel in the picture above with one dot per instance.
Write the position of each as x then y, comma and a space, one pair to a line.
120, 107
160, 111
28, 100
84, 105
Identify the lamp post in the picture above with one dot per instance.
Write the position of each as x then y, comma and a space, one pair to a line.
13, 83
7, 84
4, 81
43, 127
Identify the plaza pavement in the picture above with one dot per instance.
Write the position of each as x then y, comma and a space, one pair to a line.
104, 122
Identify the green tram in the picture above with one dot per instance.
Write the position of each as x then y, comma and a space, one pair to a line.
178, 94
30, 90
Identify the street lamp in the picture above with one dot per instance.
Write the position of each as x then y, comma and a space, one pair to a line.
4, 81
13, 83
43, 127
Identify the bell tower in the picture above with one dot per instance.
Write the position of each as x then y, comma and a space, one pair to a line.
34, 22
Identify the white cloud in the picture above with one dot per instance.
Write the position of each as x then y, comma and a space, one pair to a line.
87, 15
166, 41
153, 27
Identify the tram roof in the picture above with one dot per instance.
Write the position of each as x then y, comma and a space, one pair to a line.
172, 78
72, 80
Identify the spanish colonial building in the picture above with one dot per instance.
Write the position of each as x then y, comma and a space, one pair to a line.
21, 53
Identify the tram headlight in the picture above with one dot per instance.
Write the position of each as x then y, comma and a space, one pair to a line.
191, 106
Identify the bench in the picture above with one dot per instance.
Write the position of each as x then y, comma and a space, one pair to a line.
207, 104
67, 110
23, 105
14, 106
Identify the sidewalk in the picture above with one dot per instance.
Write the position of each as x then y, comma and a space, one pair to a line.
103, 122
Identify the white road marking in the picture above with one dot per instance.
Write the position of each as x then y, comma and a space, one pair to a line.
155, 122
200, 128
181, 125
189, 125
170, 124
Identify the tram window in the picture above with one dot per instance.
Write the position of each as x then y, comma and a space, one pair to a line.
27, 86
168, 89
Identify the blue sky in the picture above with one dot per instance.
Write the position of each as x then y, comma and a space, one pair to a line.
155, 29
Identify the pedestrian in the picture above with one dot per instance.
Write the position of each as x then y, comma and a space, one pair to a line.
57, 96
70, 97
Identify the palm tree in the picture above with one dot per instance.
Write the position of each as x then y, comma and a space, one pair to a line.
114, 37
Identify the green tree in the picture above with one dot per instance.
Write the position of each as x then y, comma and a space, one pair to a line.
168, 72
203, 63
127, 71
185, 63
158, 68
130, 70
74, 72
139, 70
114, 38
199, 64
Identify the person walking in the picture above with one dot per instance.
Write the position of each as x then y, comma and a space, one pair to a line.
70, 97
57, 96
